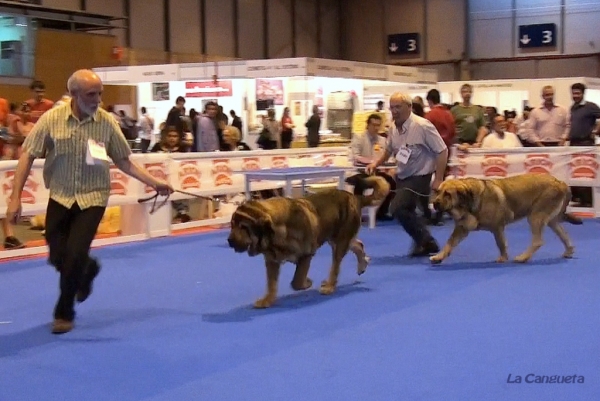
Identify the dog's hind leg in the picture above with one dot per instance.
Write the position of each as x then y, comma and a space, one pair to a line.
338, 250
500, 239
358, 248
537, 222
301, 281
272, 279
560, 232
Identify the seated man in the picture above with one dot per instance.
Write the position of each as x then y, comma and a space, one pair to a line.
368, 147
499, 137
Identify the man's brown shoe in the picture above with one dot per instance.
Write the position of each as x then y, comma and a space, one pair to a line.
61, 326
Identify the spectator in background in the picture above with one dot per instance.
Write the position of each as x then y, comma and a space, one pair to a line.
500, 137
207, 139
38, 103
221, 116
287, 129
232, 137
522, 124
170, 141
442, 120
272, 129
368, 148
65, 98
127, 125
548, 124
236, 121
174, 116
468, 119
4, 111
418, 109
418, 100
583, 126
146, 124
313, 126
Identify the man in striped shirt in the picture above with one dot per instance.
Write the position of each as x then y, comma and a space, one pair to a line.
77, 138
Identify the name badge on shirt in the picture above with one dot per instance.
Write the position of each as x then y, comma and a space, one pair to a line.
96, 153
403, 154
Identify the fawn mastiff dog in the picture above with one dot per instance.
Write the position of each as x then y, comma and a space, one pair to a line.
492, 204
292, 230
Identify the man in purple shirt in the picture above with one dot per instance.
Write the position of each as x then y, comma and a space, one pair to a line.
207, 139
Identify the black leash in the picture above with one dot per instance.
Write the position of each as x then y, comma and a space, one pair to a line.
163, 202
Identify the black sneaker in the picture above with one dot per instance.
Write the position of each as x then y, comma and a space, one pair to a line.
426, 249
89, 274
13, 243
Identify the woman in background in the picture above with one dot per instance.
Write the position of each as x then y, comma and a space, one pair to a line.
170, 141
418, 109
232, 138
287, 129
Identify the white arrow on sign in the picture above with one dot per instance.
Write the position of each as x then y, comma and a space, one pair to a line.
393, 48
525, 39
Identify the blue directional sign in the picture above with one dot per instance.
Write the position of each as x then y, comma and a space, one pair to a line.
403, 44
538, 35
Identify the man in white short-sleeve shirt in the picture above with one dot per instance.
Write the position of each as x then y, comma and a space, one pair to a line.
420, 153
500, 138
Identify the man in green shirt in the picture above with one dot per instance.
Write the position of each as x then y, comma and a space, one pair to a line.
469, 120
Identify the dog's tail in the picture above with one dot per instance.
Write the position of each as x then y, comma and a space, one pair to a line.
569, 217
363, 182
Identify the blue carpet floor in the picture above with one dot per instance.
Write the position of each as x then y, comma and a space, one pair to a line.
170, 319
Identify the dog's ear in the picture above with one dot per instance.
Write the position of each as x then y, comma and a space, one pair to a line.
264, 225
356, 178
358, 182
466, 197
265, 232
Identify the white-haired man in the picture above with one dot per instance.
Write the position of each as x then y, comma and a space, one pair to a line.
420, 152
78, 138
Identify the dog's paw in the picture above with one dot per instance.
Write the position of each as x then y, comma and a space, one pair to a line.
569, 253
327, 288
437, 258
522, 258
502, 259
302, 286
264, 302
362, 266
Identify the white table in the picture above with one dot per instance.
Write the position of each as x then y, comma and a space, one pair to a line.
291, 174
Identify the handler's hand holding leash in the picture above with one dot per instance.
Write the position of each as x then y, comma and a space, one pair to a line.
163, 188
435, 184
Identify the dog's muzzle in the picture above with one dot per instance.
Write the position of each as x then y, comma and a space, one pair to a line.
238, 248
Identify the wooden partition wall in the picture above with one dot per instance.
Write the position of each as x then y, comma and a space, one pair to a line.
58, 54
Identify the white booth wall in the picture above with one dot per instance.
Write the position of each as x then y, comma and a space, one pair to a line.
306, 91
160, 109
380, 90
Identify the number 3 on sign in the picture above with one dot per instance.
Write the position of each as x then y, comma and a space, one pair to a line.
412, 45
547, 37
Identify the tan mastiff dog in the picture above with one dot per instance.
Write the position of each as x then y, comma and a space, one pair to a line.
492, 204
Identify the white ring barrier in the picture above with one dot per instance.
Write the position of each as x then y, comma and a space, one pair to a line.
205, 174
577, 166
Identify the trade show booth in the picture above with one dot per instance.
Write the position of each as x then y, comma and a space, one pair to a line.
249, 88
515, 94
